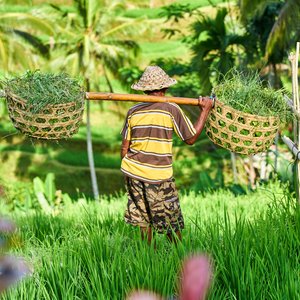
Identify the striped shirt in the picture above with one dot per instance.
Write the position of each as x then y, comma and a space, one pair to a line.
149, 127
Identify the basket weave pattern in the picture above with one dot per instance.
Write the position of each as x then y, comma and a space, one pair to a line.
240, 132
55, 122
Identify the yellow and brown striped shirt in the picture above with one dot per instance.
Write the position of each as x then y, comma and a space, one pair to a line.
149, 128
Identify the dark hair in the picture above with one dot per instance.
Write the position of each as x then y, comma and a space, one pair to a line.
160, 90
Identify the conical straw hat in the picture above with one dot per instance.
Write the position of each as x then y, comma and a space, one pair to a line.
153, 78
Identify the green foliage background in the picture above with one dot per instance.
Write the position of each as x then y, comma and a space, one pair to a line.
80, 249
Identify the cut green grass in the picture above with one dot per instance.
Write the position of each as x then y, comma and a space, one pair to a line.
41, 89
246, 92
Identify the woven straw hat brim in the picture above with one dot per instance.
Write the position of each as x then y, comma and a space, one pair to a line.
153, 78
140, 86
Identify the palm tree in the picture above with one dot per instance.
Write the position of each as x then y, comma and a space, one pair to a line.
284, 25
95, 42
215, 52
17, 32
276, 29
213, 47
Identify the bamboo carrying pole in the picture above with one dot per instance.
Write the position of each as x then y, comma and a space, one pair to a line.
139, 98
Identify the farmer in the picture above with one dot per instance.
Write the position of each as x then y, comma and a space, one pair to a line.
146, 154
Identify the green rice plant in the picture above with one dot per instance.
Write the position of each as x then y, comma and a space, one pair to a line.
41, 89
88, 252
247, 93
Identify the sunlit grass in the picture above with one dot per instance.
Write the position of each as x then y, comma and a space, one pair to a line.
169, 48
89, 253
155, 12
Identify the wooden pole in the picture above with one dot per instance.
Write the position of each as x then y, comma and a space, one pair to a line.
292, 146
139, 98
233, 165
294, 58
289, 102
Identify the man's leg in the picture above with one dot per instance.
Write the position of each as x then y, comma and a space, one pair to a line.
174, 239
147, 233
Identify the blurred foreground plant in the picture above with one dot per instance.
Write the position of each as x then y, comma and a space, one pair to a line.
195, 280
12, 269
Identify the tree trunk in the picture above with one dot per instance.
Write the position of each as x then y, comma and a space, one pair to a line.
151, 3
252, 175
90, 147
117, 104
294, 61
276, 152
277, 84
233, 164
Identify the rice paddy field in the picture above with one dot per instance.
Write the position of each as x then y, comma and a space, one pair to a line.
83, 249
86, 251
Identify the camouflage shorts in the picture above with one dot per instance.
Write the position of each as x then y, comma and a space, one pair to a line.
155, 205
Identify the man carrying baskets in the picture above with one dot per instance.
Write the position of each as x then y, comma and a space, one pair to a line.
146, 153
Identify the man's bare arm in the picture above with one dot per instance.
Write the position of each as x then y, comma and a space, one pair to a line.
124, 147
205, 105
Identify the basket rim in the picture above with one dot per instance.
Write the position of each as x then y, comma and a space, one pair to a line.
261, 118
23, 101
19, 111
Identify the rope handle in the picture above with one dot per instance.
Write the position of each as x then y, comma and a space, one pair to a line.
213, 97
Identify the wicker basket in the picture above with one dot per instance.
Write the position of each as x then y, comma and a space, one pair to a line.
240, 132
59, 121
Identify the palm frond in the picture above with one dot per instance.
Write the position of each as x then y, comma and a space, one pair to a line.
92, 10
98, 37
21, 57
82, 11
249, 8
235, 39
126, 27
204, 76
35, 42
3, 52
20, 20
286, 23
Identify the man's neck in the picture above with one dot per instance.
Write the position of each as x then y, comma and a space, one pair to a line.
157, 93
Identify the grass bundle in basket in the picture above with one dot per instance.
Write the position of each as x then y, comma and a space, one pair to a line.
45, 105
247, 114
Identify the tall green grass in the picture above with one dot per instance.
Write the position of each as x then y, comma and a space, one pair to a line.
88, 252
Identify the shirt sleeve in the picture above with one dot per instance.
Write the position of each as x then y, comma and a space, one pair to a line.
182, 124
126, 130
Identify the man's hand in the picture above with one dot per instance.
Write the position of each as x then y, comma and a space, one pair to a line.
205, 103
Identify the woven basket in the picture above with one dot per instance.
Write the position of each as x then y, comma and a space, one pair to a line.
54, 122
240, 132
